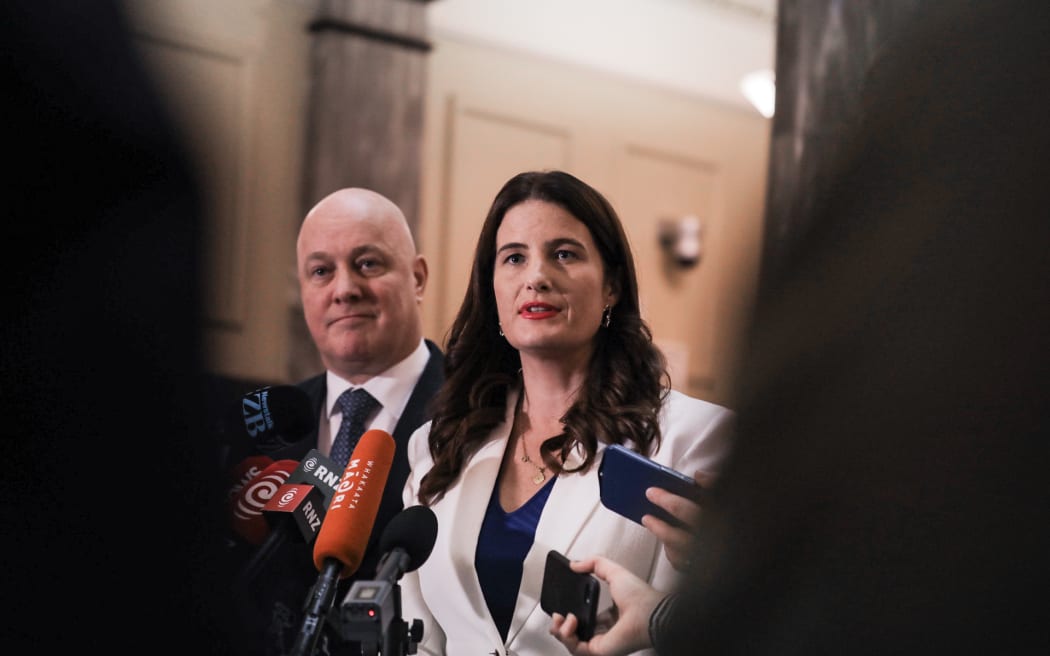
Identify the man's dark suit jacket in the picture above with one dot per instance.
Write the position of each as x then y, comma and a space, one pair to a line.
271, 605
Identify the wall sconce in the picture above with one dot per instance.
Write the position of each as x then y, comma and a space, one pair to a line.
680, 241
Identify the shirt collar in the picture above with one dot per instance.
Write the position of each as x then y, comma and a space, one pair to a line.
392, 388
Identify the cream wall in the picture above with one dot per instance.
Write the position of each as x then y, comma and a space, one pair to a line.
238, 75
493, 112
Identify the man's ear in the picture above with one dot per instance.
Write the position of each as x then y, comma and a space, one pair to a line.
421, 273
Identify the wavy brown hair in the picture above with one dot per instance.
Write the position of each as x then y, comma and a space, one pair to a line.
627, 377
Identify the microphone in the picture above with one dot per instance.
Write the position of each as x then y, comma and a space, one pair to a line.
237, 477
318, 470
298, 504
406, 542
370, 606
277, 415
303, 497
297, 508
248, 521
344, 534
243, 472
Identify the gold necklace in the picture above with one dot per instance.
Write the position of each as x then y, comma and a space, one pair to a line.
540, 471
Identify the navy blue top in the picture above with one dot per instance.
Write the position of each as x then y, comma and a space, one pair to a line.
504, 540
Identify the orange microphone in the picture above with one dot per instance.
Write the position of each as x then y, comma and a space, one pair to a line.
352, 511
344, 534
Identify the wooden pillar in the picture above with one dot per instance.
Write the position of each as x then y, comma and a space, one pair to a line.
365, 119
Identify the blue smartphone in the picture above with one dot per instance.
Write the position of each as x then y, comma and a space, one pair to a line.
624, 475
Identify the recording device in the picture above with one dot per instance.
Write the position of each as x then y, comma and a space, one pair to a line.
371, 611
246, 508
624, 475
565, 591
277, 415
344, 533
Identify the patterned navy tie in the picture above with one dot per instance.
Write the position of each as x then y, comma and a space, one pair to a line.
357, 405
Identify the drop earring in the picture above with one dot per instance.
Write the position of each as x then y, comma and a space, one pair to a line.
606, 316
501, 330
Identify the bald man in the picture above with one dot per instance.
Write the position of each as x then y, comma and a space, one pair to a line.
361, 281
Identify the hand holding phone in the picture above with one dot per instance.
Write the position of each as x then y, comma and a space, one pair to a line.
565, 591
623, 477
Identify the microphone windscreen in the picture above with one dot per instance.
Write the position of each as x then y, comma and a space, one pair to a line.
352, 513
277, 415
414, 530
243, 472
248, 521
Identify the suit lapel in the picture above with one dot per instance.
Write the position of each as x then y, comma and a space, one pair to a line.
416, 412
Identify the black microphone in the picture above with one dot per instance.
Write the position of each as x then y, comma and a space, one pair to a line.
370, 607
277, 415
295, 511
320, 471
406, 542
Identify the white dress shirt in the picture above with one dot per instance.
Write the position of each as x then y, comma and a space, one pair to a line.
392, 388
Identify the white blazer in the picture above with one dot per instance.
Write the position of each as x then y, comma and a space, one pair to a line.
444, 592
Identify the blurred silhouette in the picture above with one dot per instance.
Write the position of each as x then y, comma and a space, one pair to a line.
111, 526
887, 491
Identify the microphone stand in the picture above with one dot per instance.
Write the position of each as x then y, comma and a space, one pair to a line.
371, 612
316, 609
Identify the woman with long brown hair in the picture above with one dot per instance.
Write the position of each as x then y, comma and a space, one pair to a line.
548, 362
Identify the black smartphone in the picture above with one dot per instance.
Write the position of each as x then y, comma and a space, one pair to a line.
565, 591
624, 475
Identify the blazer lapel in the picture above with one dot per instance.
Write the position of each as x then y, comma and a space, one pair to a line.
569, 508
462, 512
